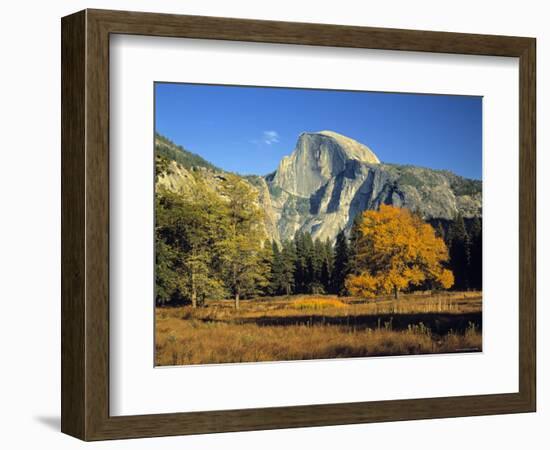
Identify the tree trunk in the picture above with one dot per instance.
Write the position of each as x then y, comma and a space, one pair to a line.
237, 298
395, 292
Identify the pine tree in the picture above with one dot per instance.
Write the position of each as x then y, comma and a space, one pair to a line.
288, 257
459, 253
341, 263
327, 266
309, 263
319, 260
476, 254
267, 258
277, 277
354, 236
300, 271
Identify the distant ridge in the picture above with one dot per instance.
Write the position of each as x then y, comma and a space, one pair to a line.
168, 149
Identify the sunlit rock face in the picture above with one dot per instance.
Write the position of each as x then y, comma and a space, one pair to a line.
317, 158
329, 178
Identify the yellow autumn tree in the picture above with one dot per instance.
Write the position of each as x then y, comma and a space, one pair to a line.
396, 250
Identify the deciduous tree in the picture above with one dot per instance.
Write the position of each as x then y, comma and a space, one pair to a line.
396, 250
245, 269
186, 235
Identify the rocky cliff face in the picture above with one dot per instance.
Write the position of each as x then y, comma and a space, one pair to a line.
329, 178
317, 158
187, 181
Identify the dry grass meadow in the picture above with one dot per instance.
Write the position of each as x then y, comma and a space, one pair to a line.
317, 327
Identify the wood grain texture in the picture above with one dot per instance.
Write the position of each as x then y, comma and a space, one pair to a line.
97, 225
201, 27
527, 224
85, 224
73, 226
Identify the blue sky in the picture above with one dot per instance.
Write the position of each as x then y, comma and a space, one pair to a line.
249, 129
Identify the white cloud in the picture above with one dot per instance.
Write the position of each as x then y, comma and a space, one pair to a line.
268, 137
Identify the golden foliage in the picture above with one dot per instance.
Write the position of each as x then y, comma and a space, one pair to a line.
396, 250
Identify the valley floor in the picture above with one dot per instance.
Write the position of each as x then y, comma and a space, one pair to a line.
318, 327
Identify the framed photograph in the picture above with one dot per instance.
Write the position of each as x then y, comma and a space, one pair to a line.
273, 225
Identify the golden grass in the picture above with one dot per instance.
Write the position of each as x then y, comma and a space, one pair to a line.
316, 303
317, 327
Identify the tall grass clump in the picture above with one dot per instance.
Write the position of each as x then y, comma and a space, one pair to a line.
317, 303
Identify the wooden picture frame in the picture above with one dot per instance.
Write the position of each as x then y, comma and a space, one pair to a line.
85, 224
